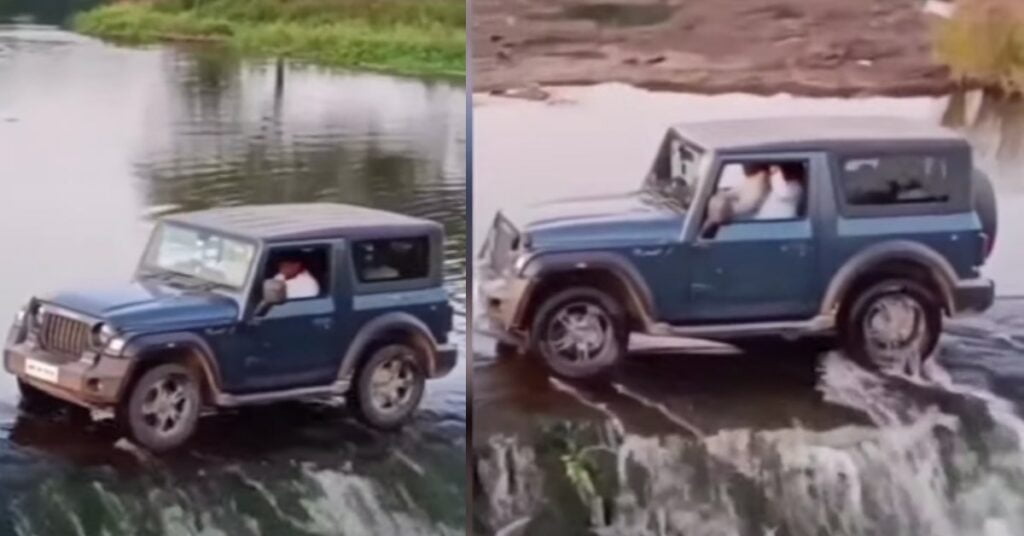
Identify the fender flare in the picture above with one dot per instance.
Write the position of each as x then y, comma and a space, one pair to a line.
139, 346
545, 265
379, 325
940, 270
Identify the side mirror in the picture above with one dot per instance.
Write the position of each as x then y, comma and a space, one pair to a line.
709, 231
719, 213
274, 293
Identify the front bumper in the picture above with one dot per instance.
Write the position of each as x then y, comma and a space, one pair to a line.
444, 360
499, 302
975, 295
90, 385
490, 327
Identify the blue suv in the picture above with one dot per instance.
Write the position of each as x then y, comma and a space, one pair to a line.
882, 231
248, 305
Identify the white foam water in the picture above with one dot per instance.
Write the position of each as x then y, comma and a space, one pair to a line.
933, 458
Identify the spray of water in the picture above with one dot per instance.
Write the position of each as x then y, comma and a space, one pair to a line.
933, 458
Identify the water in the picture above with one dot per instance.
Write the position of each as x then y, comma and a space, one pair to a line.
695, 438
95, 141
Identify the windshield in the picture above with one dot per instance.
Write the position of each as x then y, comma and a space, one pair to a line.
673, 177
199, 255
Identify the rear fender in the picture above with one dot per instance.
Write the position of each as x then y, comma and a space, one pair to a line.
939, 269
379, 328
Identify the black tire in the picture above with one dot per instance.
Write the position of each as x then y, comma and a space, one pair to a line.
590, 309
38, 401
904, 295
161, 410
389, 387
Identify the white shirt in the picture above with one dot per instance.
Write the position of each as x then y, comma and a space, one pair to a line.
303, 285
782, 201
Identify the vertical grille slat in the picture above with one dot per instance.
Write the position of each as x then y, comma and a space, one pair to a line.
63, 335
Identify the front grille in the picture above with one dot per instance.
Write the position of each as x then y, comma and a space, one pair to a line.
61, 334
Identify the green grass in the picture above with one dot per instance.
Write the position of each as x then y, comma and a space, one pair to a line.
984, 43
422, 37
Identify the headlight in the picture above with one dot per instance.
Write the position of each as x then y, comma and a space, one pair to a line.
20, 316
116, 345
520, 262
103, 335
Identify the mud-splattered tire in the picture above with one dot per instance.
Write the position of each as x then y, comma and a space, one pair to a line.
889, 322
389, 387
580, 333
38, 401
161, 410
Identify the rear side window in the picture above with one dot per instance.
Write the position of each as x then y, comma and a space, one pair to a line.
391, 259
896, 180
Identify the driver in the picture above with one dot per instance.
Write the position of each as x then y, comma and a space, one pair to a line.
743, 202
299, 283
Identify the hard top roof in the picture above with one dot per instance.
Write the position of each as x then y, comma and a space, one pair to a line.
301, 221
813, 132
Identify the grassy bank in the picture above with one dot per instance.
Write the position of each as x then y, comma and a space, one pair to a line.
405, 36
984, 43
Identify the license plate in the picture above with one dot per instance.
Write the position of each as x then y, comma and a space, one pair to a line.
41, 371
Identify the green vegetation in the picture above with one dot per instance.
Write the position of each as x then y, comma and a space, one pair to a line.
984, 43
404, 36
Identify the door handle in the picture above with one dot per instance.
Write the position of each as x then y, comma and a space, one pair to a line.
798, 248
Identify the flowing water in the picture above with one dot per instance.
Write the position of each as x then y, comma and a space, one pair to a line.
698, 439
96, 140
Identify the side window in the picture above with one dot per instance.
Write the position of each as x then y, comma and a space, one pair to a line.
391, 259
895, 180
759, 191
305, 270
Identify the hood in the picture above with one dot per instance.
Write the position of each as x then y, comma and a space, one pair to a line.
631, 219
142, 306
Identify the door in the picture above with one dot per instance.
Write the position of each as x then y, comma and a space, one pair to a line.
761, 263
753, 271
293, 344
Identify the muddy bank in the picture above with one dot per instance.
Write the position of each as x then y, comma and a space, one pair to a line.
808, 47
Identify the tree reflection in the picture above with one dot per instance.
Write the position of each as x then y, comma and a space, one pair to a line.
239, 135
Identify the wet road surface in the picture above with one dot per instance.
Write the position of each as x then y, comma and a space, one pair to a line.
699, 439
95, 141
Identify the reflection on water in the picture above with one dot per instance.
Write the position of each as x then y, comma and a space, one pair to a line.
705, 440
96, 140
53, 12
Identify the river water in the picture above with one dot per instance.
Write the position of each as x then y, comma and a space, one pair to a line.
96, 140
697, 439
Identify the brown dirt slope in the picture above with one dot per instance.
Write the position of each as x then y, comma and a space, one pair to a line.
810, 47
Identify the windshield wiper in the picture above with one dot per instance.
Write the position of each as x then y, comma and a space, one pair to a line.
203, 285
158, 274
